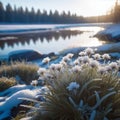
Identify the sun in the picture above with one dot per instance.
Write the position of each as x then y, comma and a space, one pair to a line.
95, 7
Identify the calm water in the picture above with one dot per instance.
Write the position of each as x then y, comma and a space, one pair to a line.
52, 41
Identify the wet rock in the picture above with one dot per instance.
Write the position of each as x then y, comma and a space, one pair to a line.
52, 54
27, 55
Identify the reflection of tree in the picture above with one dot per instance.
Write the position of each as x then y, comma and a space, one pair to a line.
26, 38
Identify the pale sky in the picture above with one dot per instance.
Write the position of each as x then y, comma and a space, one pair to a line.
80, 7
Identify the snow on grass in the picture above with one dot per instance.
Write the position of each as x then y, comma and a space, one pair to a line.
11, 97
13, 101
14, 89
69, 84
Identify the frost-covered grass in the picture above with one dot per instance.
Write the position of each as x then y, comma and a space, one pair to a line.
27, 72
6, 83
81, 89
86, 87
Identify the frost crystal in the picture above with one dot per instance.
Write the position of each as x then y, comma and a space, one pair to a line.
58, 67
89, 51
102, 70
106, 56
76, 69
52, 67
70, 55
113, 65
97, 56
73, 85
41, 71
82, 53
86, 59
108, 68
34, 82
66, 59
76, 62
46, 60
94, 63
80, 59
63, 63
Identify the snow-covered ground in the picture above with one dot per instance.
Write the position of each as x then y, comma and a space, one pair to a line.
13, 96
23, 29
113, 30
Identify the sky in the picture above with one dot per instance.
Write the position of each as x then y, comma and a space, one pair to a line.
80, 7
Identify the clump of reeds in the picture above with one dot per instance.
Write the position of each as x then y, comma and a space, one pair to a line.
6, 83
81, 89
27, 72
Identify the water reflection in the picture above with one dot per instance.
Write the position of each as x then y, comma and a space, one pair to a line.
28, 38
53, 41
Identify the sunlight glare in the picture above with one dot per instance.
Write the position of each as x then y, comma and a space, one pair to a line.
93, 43
95, 7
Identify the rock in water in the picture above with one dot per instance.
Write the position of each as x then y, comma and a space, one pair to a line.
27, 55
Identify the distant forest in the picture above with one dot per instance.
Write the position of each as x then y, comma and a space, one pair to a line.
25, 16
19, 15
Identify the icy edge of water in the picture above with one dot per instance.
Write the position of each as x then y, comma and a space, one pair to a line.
111, 30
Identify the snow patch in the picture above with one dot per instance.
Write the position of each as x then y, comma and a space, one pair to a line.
15, 89
113, 30
10, 98
13, 101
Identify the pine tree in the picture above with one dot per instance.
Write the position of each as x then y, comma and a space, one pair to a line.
38, 16
9, 13
26, 18
2, 12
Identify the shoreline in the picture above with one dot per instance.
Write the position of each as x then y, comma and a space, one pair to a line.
7, 30
103, 48
110, 33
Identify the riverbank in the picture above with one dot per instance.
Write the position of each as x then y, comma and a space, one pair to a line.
47, 42
111, 32
19, 29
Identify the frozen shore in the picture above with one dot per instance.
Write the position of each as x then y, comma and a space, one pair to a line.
111, 32
27, 29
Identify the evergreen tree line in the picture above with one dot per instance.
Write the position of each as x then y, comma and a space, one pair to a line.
19, 15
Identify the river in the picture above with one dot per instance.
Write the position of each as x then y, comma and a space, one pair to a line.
57, 40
